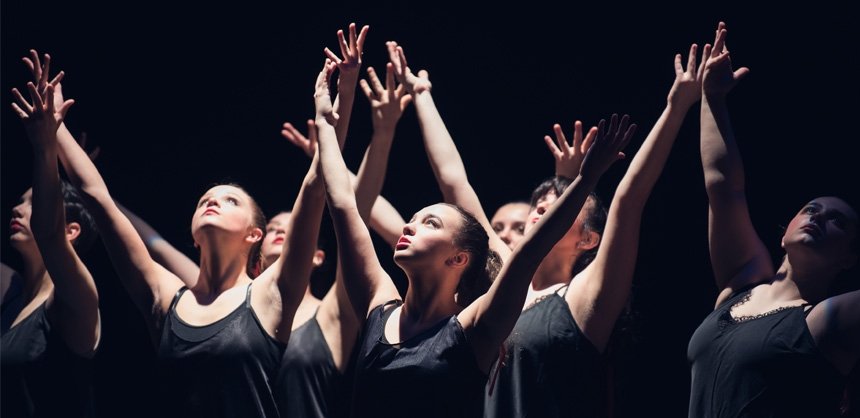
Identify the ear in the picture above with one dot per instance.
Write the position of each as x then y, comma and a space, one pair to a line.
319, 258
73, 231
254, 235
461, 259
590, 240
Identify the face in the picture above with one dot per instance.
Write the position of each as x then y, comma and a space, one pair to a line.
574, 234
509, 222
826, 225
225, 208
19, 226
429, 236
276, 232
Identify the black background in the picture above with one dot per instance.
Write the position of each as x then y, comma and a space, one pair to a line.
179, 97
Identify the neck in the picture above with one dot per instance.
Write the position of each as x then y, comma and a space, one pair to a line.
35, 277
556, 267
430, 299
221, 269
793, 281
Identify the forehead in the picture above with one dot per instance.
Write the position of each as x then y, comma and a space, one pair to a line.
280, 219
445, 212
511, 211
225, 189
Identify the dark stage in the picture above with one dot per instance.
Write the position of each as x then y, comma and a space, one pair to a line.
179, 98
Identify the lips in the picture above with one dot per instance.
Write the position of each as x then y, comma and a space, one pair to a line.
210, 212
279, 240
811, 229
16, 226
402, 243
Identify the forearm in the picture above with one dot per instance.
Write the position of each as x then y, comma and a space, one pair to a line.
162, 251
721, 159
48, 219
80, 169
648, 163
371, 173
343, 105
442, 152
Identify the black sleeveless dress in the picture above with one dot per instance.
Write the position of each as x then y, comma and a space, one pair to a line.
224, 369
762, 366
547, 368
433, 374
309, 383
40, 376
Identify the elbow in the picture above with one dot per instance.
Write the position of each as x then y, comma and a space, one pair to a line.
717, 183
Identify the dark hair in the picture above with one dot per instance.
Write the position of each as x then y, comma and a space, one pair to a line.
595, 215
77, 212
255, 255
485, 263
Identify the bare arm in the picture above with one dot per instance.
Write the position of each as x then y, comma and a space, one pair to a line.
74, 307
349, 68
490, 319
835, 326
444, 157
738, 256
162, 251
365, 281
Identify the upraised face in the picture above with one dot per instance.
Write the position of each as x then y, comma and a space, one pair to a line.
20, 234
276, 233
509, 222
429, 236
574, 235
826, 227
225, 208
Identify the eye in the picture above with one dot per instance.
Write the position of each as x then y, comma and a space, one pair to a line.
839, 221
232, 200
520, 228
809, 209
432, 223
270, 230
498, 227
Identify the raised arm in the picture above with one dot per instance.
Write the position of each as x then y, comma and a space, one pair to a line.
738, 256
444, 157
162, 251
598, 295
151, 286
490, 319
348, 68
365, 281
75, 305
385, 220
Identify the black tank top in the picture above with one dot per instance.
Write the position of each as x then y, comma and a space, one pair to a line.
432, 374
547, 367
224, 369
40, 376
309, 383
763, 366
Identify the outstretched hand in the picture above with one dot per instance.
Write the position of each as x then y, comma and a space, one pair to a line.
719, 78
351, 50
322, 95
41, 118
414, 84
40, 70
388, 102
687, 88
607, 145
568, 157
307, 144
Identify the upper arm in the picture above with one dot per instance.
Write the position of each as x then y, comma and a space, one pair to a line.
835, 326
738, 256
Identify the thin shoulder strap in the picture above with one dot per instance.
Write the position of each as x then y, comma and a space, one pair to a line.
177, 296
248, 297
563, 290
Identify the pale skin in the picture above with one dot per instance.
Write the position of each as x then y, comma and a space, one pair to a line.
432, 264
223, 227
817, 241
509, 222
598, 294
53, 272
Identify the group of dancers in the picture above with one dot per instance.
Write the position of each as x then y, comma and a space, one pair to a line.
507, 316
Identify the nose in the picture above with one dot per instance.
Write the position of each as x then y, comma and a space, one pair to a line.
212, 201
542, 207
505, 235
408, 229
16, 212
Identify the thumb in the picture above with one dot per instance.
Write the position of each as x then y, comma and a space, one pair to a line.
741, 73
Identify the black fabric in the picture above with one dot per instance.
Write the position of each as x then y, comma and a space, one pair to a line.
40, 376
309, 383
224, 369
768, 366
547, 368
432, 374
